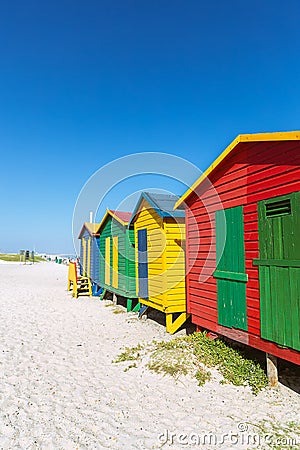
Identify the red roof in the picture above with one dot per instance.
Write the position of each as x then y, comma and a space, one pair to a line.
122, 215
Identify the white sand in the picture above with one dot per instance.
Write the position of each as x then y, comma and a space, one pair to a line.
59, 388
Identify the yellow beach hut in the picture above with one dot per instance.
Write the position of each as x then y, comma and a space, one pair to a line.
160, 263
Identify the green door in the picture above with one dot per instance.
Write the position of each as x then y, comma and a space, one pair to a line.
130, 263
279, 269
230, 271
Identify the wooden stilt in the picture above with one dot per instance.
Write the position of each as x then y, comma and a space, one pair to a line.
130, 307
272, 371
171, 326
129, 304
142, 311
137, 307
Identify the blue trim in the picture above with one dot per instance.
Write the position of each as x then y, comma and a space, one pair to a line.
145, 196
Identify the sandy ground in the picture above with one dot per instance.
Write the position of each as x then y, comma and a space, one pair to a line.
60, 390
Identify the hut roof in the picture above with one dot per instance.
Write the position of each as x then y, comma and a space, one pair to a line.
92, 228
242, 138
121, 216
163, 204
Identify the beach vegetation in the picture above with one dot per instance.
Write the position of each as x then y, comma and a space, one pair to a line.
196, 354
231, 363
174, 361
202, 375
118, 311
129, 354
15, 257
279, 435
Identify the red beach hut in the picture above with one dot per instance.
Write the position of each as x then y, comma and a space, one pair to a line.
243, 244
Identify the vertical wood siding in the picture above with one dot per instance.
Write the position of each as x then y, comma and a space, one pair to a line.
105, 232
89, 259
107, 261
81, 257
84, 258
115, 262
130, 263
95, 260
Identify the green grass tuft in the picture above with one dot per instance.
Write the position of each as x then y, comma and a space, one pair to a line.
129, 354
286, 435
234, 367
174, 361
202, 376
118, 311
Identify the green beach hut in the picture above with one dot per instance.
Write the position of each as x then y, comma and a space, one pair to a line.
117, 257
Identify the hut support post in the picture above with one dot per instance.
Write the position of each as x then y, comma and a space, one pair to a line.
130, 306
171, 326
272, 371
102, 295
137, 307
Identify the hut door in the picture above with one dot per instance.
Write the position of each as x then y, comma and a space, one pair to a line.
89, 257
81, 258
107, 261
115, 276
279, 269
230, 272
84, 257
142, 263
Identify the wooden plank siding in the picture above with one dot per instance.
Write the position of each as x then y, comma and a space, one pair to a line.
117, 271
150, 220
95, 259
130, 279
254, 172
166, 259
175, 264
87, 254
105, 265
81, 258
89, 251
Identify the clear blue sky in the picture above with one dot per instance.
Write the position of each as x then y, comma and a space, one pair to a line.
85, 82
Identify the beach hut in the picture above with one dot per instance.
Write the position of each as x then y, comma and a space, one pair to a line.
117, 256
159, 244
89, 254
243, 245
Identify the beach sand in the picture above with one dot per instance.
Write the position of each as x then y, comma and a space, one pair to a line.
60, 389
